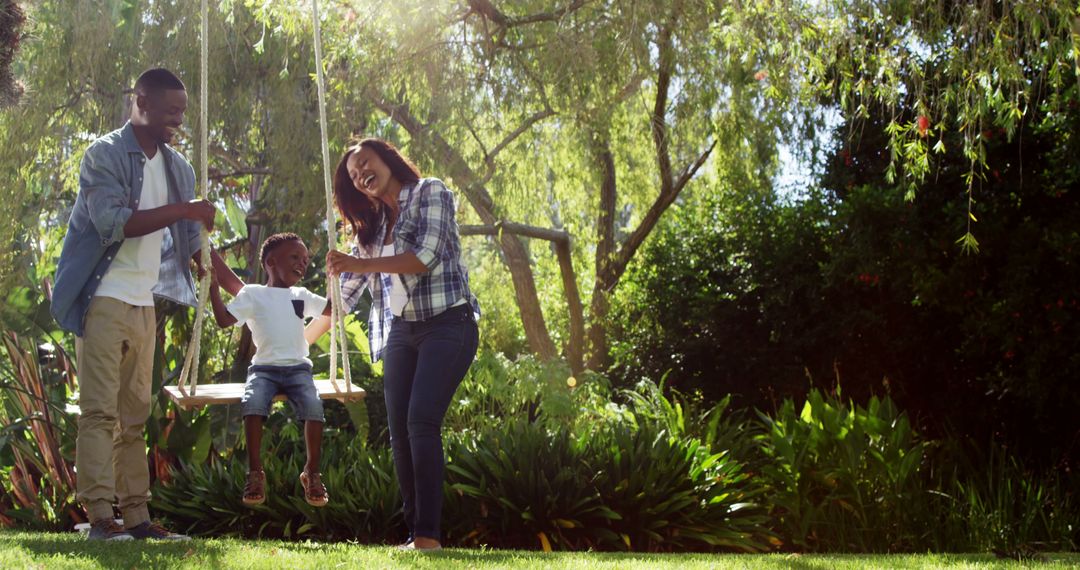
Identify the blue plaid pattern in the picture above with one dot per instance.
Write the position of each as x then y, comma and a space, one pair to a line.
427, 227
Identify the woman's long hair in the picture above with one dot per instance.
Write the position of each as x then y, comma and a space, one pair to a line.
362, 214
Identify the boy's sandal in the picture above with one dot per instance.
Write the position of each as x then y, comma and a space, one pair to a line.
255, 488
314, 491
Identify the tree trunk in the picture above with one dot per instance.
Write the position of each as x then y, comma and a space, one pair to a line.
575, 347
514, 252
612, 261
605, 255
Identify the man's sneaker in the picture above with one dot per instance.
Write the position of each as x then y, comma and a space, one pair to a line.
107, 529
154, 531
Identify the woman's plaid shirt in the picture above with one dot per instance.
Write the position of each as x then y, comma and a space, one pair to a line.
427, 228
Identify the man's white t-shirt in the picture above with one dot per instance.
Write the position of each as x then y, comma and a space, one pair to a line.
276, 317
132, 275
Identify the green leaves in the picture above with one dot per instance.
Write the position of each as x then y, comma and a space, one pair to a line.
205, 498
236, 217
968, 68
844, 477
527, 482
190, 437
686, 496
36, 437
968, 243
597, 493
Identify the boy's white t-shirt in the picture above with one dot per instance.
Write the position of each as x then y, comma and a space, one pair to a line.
131, 277
276, 317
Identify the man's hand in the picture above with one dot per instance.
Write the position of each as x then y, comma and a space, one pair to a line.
143, 222
201, 211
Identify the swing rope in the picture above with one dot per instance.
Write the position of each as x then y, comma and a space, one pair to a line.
191, 360
337, 316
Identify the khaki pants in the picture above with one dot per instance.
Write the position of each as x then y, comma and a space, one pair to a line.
115, 358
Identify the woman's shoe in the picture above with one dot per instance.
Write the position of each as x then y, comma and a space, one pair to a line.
426, 545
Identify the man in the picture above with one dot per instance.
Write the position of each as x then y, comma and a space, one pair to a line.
134, 228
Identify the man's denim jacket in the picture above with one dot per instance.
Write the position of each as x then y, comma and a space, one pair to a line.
110, 185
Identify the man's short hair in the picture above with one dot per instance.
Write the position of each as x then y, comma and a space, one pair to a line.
274, 241
156, 80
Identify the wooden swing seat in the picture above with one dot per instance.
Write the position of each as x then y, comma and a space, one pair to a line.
214, 394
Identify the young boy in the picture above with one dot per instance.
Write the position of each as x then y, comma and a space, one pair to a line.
275, 313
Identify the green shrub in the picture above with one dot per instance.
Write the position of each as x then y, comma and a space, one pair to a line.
205, 499
672, 493
520, 486
37, 437
497, 388
621, 486
659, 471
715, 424
841, 477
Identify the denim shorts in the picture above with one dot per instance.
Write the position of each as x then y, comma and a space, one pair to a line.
265, 382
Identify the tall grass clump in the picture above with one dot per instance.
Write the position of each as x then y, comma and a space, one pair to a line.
989, 501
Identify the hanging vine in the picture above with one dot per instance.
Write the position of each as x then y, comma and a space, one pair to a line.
976, 69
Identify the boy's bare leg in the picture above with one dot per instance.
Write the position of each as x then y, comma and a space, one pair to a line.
253, 428
314, 491
255, 487
313, 439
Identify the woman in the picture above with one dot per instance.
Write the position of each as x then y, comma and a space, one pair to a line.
407, 252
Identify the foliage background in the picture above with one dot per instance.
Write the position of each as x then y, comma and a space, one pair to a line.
923, 256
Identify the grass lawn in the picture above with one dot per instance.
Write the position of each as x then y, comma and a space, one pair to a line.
49, 550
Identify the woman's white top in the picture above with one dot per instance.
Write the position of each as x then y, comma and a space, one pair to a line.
398, 295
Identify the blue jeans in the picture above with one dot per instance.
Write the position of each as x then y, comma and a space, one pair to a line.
264, 382
424, 363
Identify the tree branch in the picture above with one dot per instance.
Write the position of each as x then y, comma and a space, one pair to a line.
630, 88
218, 174
488, 10
575, 348
489, 158
658, 122
637, 237
476, 137
669, 186
229, 157
556, 236
532, 120
691, 170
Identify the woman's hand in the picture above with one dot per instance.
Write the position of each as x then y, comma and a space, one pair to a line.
338, 263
